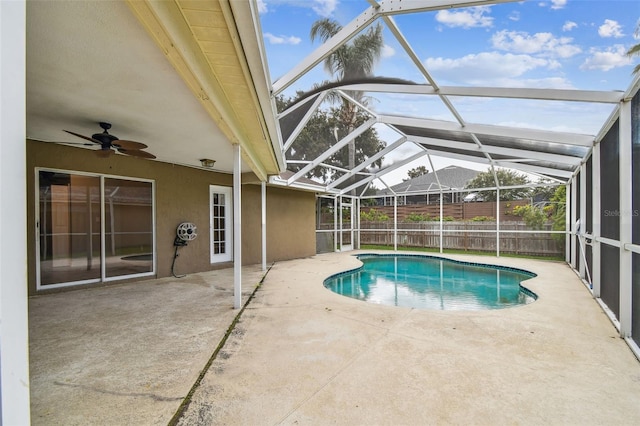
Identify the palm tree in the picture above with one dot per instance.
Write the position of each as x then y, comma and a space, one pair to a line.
635, 50
350, 61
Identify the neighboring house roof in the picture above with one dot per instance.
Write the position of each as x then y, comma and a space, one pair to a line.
451, 177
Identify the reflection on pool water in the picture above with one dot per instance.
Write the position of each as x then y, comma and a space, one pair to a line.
427, 282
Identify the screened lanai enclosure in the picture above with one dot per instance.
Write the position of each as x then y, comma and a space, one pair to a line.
575, 154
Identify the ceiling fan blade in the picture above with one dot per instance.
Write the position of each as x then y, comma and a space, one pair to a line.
76, 143
83, 137
128, 145
136, 153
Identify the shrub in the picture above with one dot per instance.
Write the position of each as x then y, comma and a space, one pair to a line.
481, 219
373, 215
534, 217
417, 217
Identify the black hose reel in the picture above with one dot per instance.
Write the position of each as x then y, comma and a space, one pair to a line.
186, 232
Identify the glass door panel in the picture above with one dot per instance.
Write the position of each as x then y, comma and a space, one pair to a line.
128, 227
346, 232
68, 228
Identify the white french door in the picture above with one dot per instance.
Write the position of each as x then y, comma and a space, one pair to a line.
221, 223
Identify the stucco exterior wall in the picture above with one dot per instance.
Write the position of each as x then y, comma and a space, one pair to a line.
290, 224
182, 195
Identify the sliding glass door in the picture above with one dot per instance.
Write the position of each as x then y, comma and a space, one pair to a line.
92, 228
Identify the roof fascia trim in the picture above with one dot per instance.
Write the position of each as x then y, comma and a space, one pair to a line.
167, 27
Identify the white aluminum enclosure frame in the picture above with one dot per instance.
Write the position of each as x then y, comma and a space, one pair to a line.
528, 160
557, 156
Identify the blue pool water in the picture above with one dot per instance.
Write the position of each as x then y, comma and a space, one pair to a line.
427, 282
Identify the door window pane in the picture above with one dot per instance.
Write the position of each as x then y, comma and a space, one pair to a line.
68, 227
221, 244
128, 227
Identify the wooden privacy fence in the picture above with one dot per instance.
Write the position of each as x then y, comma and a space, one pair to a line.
472, 236
459, 211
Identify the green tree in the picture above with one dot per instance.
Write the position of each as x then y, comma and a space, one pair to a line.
635, 49
544, 193
416, 172
505, 178
557, 209
318, 136
350, 61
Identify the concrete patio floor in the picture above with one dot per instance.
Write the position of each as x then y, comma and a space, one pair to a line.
127, 354
301, 354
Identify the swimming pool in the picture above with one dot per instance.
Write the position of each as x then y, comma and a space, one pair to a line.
429, 282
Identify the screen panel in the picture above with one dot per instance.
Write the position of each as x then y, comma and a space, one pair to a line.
610, 277
610, 184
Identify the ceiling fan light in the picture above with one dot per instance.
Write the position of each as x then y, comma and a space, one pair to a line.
207, 162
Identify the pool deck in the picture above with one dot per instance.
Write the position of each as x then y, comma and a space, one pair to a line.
301, 354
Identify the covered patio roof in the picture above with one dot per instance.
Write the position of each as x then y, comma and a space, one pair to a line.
185, 78
547, 153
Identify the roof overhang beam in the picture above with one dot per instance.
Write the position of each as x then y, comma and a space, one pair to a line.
485, 129
591, 96
384, 171
369, 161
527, 155
305, 119
505, 164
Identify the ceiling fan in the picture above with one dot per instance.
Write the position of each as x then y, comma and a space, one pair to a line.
108, 143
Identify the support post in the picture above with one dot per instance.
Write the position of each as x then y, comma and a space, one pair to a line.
335, 224
395, 223
357, 221
626, 206
581, 259
441, 217
574, 217
595, 214
340, 221
237, 228
14, 330
498, 222
567, 224
263, 210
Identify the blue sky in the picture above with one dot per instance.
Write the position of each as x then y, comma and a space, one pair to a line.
567, 44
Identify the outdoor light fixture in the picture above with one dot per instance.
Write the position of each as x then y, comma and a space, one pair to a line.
208, 163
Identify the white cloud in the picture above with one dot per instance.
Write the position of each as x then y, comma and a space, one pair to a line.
324, 7
610, 28
467, 18
605, 60
540, 43
262, 7
558, 4
514, 16
487, 68
569, 25
282, 39
387, 51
